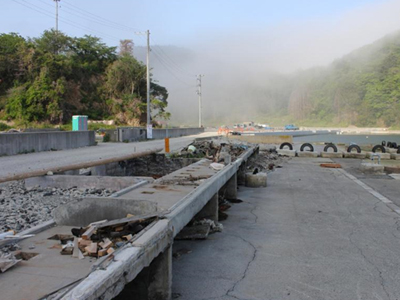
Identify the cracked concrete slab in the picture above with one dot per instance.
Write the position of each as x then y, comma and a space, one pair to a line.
312, 234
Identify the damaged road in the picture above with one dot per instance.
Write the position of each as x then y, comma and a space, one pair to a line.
311, 234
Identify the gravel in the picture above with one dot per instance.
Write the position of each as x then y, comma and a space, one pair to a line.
23, 208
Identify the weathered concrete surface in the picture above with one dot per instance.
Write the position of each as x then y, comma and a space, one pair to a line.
354, 155
371, 167
128, 263
37, 162
137, 133
56, 270
338, 154
230, 191
91, 210
286, 152
256, 180
308, 154
383, 156
331, 241
391, 150
18, 143
210, 210
83, 182
394, 156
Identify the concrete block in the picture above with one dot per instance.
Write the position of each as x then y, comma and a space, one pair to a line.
256, 180
371, 168
338, 154
392, 169
394, 156
355, 155
391, 150
384, 156
308, 154
91, 210
285, 152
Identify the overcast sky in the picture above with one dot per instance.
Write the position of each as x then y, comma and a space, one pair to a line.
253, 36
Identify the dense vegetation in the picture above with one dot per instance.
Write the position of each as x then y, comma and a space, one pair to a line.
50, 78
362, 88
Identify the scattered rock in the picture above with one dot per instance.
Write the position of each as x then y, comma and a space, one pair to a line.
23, 208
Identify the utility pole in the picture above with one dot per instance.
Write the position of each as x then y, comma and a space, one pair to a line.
199, 94
147, 33
56, 1
148, 76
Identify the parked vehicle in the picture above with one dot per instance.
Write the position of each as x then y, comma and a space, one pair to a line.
291, 127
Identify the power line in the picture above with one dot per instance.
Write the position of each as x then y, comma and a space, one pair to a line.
77, 13
168, 69
82, 11
173, 62
64, 20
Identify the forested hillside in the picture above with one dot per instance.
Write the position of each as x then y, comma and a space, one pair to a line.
362, 88
52, 77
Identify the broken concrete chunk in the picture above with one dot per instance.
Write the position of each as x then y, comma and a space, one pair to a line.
217, 166
197, 232
7, 262
256, 180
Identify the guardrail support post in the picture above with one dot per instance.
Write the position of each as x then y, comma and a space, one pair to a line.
231, 188
161, 272
210, 210
241, 174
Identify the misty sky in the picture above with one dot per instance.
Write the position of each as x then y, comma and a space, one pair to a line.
226, 40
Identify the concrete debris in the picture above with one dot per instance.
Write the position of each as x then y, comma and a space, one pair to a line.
214, 226
102, 238
23, 208
6, 234
6, 249
199, 230
7, 261
215, 150
256, 180
194, 232
266, 160
217, 166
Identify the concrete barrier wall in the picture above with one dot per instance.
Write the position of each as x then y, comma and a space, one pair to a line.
175, 132
132, 134
18, 143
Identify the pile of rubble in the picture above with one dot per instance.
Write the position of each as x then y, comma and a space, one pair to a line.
101, 238
23, 208
266, 160
214, 150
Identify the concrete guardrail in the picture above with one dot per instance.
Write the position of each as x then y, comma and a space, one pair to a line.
20, 143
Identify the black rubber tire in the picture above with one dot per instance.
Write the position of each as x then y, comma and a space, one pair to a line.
380, 147
305, 145
333, 146
383, 143
389, 144
351, 147
394, 145
286, 144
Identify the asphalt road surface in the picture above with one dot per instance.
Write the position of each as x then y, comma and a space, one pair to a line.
313, 233
27, 163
